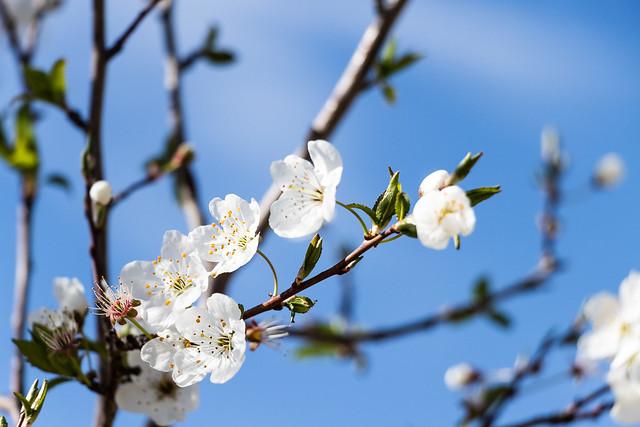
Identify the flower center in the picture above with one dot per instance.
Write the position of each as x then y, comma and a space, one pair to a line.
177, 283
224, 342
451, 207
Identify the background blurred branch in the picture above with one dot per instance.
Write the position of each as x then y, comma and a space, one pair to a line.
348, 87
119, 43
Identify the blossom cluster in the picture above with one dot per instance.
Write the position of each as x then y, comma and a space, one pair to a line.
190, 336
615, 338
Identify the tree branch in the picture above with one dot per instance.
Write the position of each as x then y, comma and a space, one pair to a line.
341, 267
8, 406
348, 87
120, 42
452, 314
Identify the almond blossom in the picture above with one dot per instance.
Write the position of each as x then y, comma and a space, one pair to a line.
168, 285
58, 329
440, 215
204, 341
615, 321
155, 394
233, 240
308, 198
70, 294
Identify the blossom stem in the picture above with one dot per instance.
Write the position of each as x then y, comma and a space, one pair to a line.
391, 239
273, 271
137, 324
365, 229
80, 375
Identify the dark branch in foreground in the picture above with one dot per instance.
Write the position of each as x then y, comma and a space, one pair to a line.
347, 89
120, 42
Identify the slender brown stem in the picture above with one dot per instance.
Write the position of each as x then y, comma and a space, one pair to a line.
120, 42
185, 180
347, 89
341, 267
135, 186
452, 314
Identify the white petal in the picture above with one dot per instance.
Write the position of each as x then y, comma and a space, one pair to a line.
159, 352
327, 162
223, 307
630, 297
188, 322
601, 309
70, 294
599, 344
133, 398
225, 368
433, 182
294, 171
137, 275
292, 216
328, 203
175, 244
191, 367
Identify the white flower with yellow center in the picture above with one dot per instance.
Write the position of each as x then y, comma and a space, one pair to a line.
204, 341
58, 329
155, 394
168, 285
624, 380
233, 240
440, 215
615, 321
308, 196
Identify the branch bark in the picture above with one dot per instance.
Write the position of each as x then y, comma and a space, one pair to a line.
335, 108
120, 42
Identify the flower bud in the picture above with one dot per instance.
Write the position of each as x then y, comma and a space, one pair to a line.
609, 171
298, 304
100, 192
459, 376
550, 146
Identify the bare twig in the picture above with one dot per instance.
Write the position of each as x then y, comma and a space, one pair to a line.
341, 267
120, 42
137, 185
573, 412
191, 58
9, 24
185, 181
451, 314
348, 87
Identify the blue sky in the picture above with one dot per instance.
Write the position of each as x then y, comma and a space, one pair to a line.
493, 75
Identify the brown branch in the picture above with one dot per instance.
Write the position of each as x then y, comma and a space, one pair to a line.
572, 413
452, 314
120, 42
341, 267
133, 187
347, 89
185, 181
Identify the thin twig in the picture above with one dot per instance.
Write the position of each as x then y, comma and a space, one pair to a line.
341, 267
9, 24
120, 42
348, 87
137, 185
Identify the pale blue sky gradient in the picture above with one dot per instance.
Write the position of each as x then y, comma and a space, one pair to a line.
493, 75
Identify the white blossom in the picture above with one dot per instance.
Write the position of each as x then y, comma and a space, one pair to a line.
615, 321
609, 171
115, 304
624, 380
441, 215
435, 181
155, 394
233, 240
100, 192
205, 341
550, 145
70, 294
459, 376
168, 285
58, 329
308, 196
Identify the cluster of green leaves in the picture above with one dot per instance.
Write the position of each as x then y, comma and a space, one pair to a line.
48, 86
389, 64
213, 53
32, 403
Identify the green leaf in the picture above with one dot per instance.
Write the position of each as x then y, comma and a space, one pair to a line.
3, 421
366, 209
406, 61
56, 381
220, 57
499, 318
408, 229
386, 203
26, 405
317, 349
481, 290
24, 155
35, 353
48, 87
59, 180
389, 93
403, 204
311, 257
481, 194
463, 168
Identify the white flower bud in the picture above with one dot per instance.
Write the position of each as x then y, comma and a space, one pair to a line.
434, 181
609, 171
550, 145
100, 192
460, 375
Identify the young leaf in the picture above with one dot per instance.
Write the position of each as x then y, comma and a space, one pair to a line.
386, 204
481, 194
59, 180
499, 318
408, 229
389, 93
48, 87
25, 153
403, 204
463, 168
311, 257
366, 209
